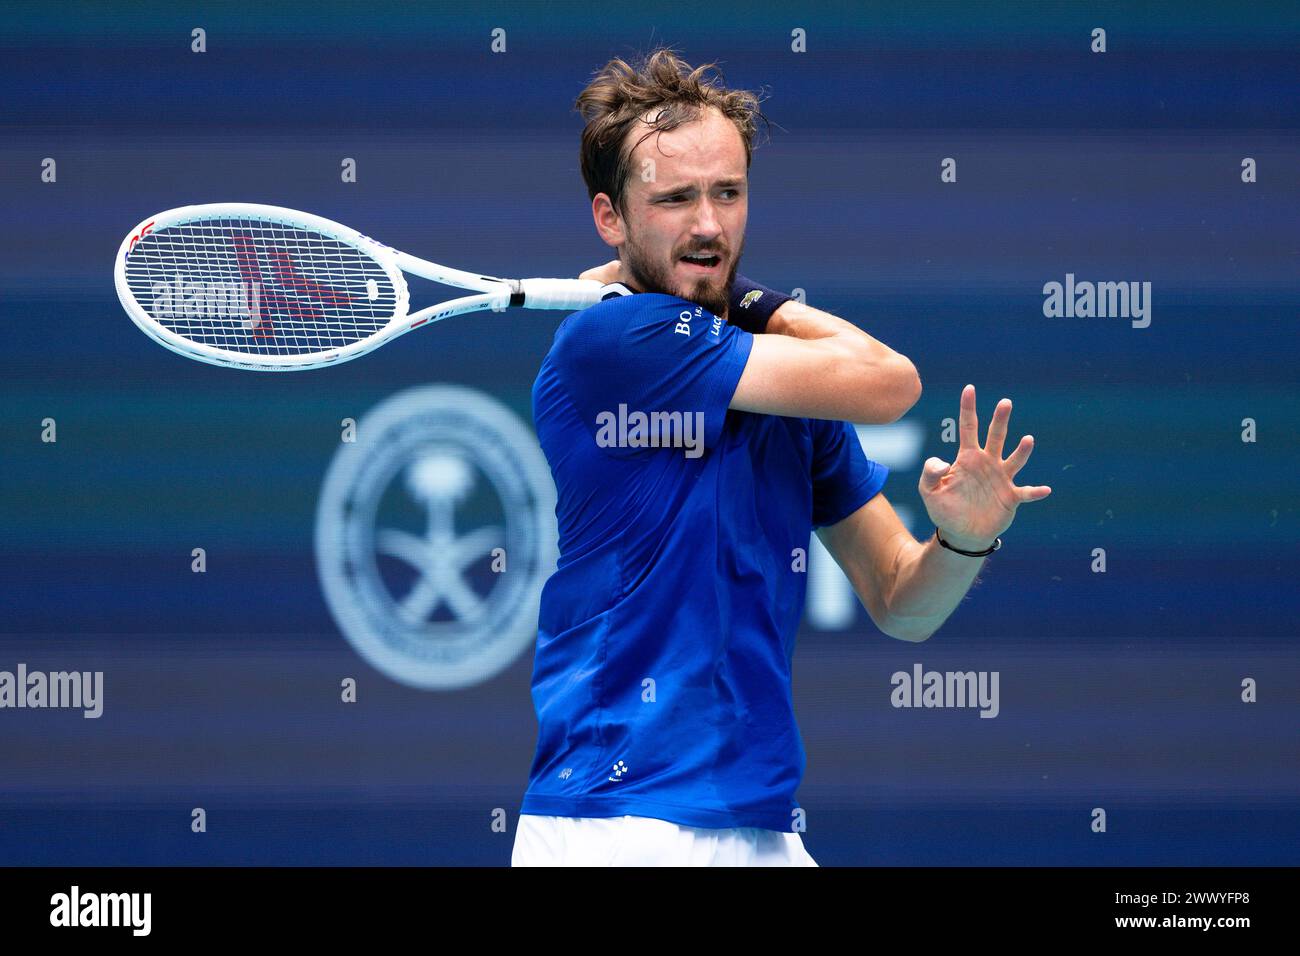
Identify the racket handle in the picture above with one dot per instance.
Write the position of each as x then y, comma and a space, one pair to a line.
565, 295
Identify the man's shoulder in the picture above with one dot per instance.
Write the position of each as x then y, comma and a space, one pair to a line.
618, 307
617, 297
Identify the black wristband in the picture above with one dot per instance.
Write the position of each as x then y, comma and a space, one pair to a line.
997, 543
752, 305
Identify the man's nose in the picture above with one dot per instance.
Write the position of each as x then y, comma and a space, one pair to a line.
706, 219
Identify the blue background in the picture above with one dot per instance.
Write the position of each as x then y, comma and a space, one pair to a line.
1119, 690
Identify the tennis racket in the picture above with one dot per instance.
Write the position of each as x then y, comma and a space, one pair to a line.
264, 288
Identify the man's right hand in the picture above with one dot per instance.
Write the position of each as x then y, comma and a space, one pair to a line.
611, 271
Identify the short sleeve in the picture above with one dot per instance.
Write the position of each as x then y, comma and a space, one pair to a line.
844, 478
652, 353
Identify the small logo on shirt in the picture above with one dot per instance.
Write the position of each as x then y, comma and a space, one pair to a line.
750, 298
683, 326
620, 768
566, 773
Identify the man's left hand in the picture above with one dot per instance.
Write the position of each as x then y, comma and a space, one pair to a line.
973, 500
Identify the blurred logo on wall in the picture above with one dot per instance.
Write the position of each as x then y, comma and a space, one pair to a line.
435, 532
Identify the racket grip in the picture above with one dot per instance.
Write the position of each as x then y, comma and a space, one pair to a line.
565, 295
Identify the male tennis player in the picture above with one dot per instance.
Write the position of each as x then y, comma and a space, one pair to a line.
665, 637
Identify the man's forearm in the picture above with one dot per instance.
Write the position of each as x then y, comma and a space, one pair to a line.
791, 317
929, 583
885, 367
804, 322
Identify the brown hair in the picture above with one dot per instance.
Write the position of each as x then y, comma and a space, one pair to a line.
619, 95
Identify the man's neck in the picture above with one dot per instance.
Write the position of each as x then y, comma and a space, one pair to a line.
636, 291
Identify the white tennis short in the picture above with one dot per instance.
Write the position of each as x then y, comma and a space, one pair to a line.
645, 841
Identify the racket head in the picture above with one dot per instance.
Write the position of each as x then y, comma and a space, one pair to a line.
251, 286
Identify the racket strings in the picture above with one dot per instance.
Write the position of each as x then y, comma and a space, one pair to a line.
258, 287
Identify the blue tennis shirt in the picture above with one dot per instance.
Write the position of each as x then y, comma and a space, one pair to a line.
665, 636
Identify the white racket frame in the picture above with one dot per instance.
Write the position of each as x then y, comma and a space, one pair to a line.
493, 293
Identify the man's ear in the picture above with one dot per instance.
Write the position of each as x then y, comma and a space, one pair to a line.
609, 224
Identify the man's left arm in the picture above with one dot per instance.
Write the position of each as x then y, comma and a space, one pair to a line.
909, 588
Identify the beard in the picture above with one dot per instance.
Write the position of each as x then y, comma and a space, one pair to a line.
653, 275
